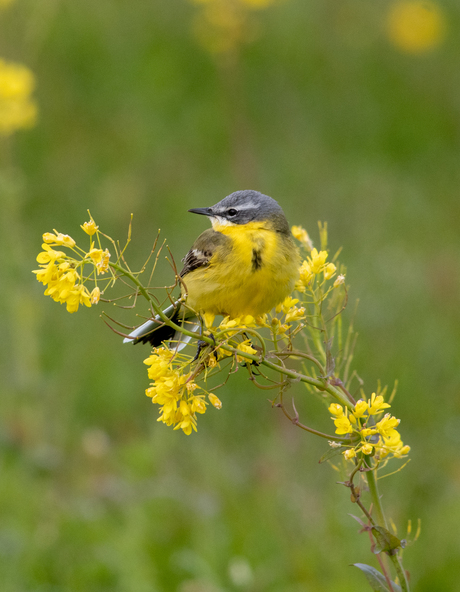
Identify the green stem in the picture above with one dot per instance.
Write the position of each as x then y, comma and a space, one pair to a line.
396, 559
377, 505
376, 502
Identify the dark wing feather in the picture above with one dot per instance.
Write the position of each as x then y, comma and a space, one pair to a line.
203, 250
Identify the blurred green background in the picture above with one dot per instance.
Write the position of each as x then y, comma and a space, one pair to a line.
342, 111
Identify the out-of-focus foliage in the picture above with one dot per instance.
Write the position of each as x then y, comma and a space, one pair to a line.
325, 108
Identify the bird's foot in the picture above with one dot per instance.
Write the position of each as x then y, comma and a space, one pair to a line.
201, 345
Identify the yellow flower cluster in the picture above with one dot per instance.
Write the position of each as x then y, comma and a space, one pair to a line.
223, 25
17, 109
377, 438
63, 274
232, 326
313, 266
175, 391
289, 308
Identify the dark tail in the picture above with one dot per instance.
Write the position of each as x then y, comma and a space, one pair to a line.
155, 331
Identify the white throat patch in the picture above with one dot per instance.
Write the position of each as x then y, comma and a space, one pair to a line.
220, 221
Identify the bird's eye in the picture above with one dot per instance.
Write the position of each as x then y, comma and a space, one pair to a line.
232, 212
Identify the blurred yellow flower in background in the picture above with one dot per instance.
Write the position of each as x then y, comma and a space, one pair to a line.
5, 3
415, 26
223, 25
17, 109
256, 4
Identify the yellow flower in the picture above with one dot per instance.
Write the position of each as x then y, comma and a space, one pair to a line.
367, 449
365, 432
90, 227
349, 454
237, 323
317, 261
58, 239
95, 295
191, 386
416, 26
49, 254
287, 303
246, 348
47, 273
295, 314
100, 258
73, 298
215, 401
336, 409
262, 320
404, 450
103, 266
329, 271
387, 425
343, 425
377, 404
302, 235
306, 273
159, 362
198, 405
360, 408
60, 288
17, 109
96, 255
211, 361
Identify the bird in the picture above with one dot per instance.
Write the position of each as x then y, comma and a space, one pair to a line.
246, 264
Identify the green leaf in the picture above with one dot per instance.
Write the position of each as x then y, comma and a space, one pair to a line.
385, 541
330, 454
376, 580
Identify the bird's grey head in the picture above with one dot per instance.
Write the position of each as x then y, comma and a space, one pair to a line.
246, 206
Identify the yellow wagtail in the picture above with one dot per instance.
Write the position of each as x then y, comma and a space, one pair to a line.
245, 264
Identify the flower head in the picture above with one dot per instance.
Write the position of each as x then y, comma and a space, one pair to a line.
336, 409
329, 271
377, 404
90, 227
306, 273
380, 439
215, 401
58, 239
343, 425
302, 235
317, 260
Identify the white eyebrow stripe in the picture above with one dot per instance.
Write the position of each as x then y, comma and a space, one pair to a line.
247, 206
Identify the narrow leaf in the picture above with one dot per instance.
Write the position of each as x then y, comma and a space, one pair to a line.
376, 580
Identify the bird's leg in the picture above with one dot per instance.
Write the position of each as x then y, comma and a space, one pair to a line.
202, 344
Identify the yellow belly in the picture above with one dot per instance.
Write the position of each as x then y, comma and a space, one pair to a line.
237, 282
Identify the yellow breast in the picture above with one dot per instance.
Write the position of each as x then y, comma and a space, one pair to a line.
254, 275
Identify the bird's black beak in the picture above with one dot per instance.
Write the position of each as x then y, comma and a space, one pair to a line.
202, 211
